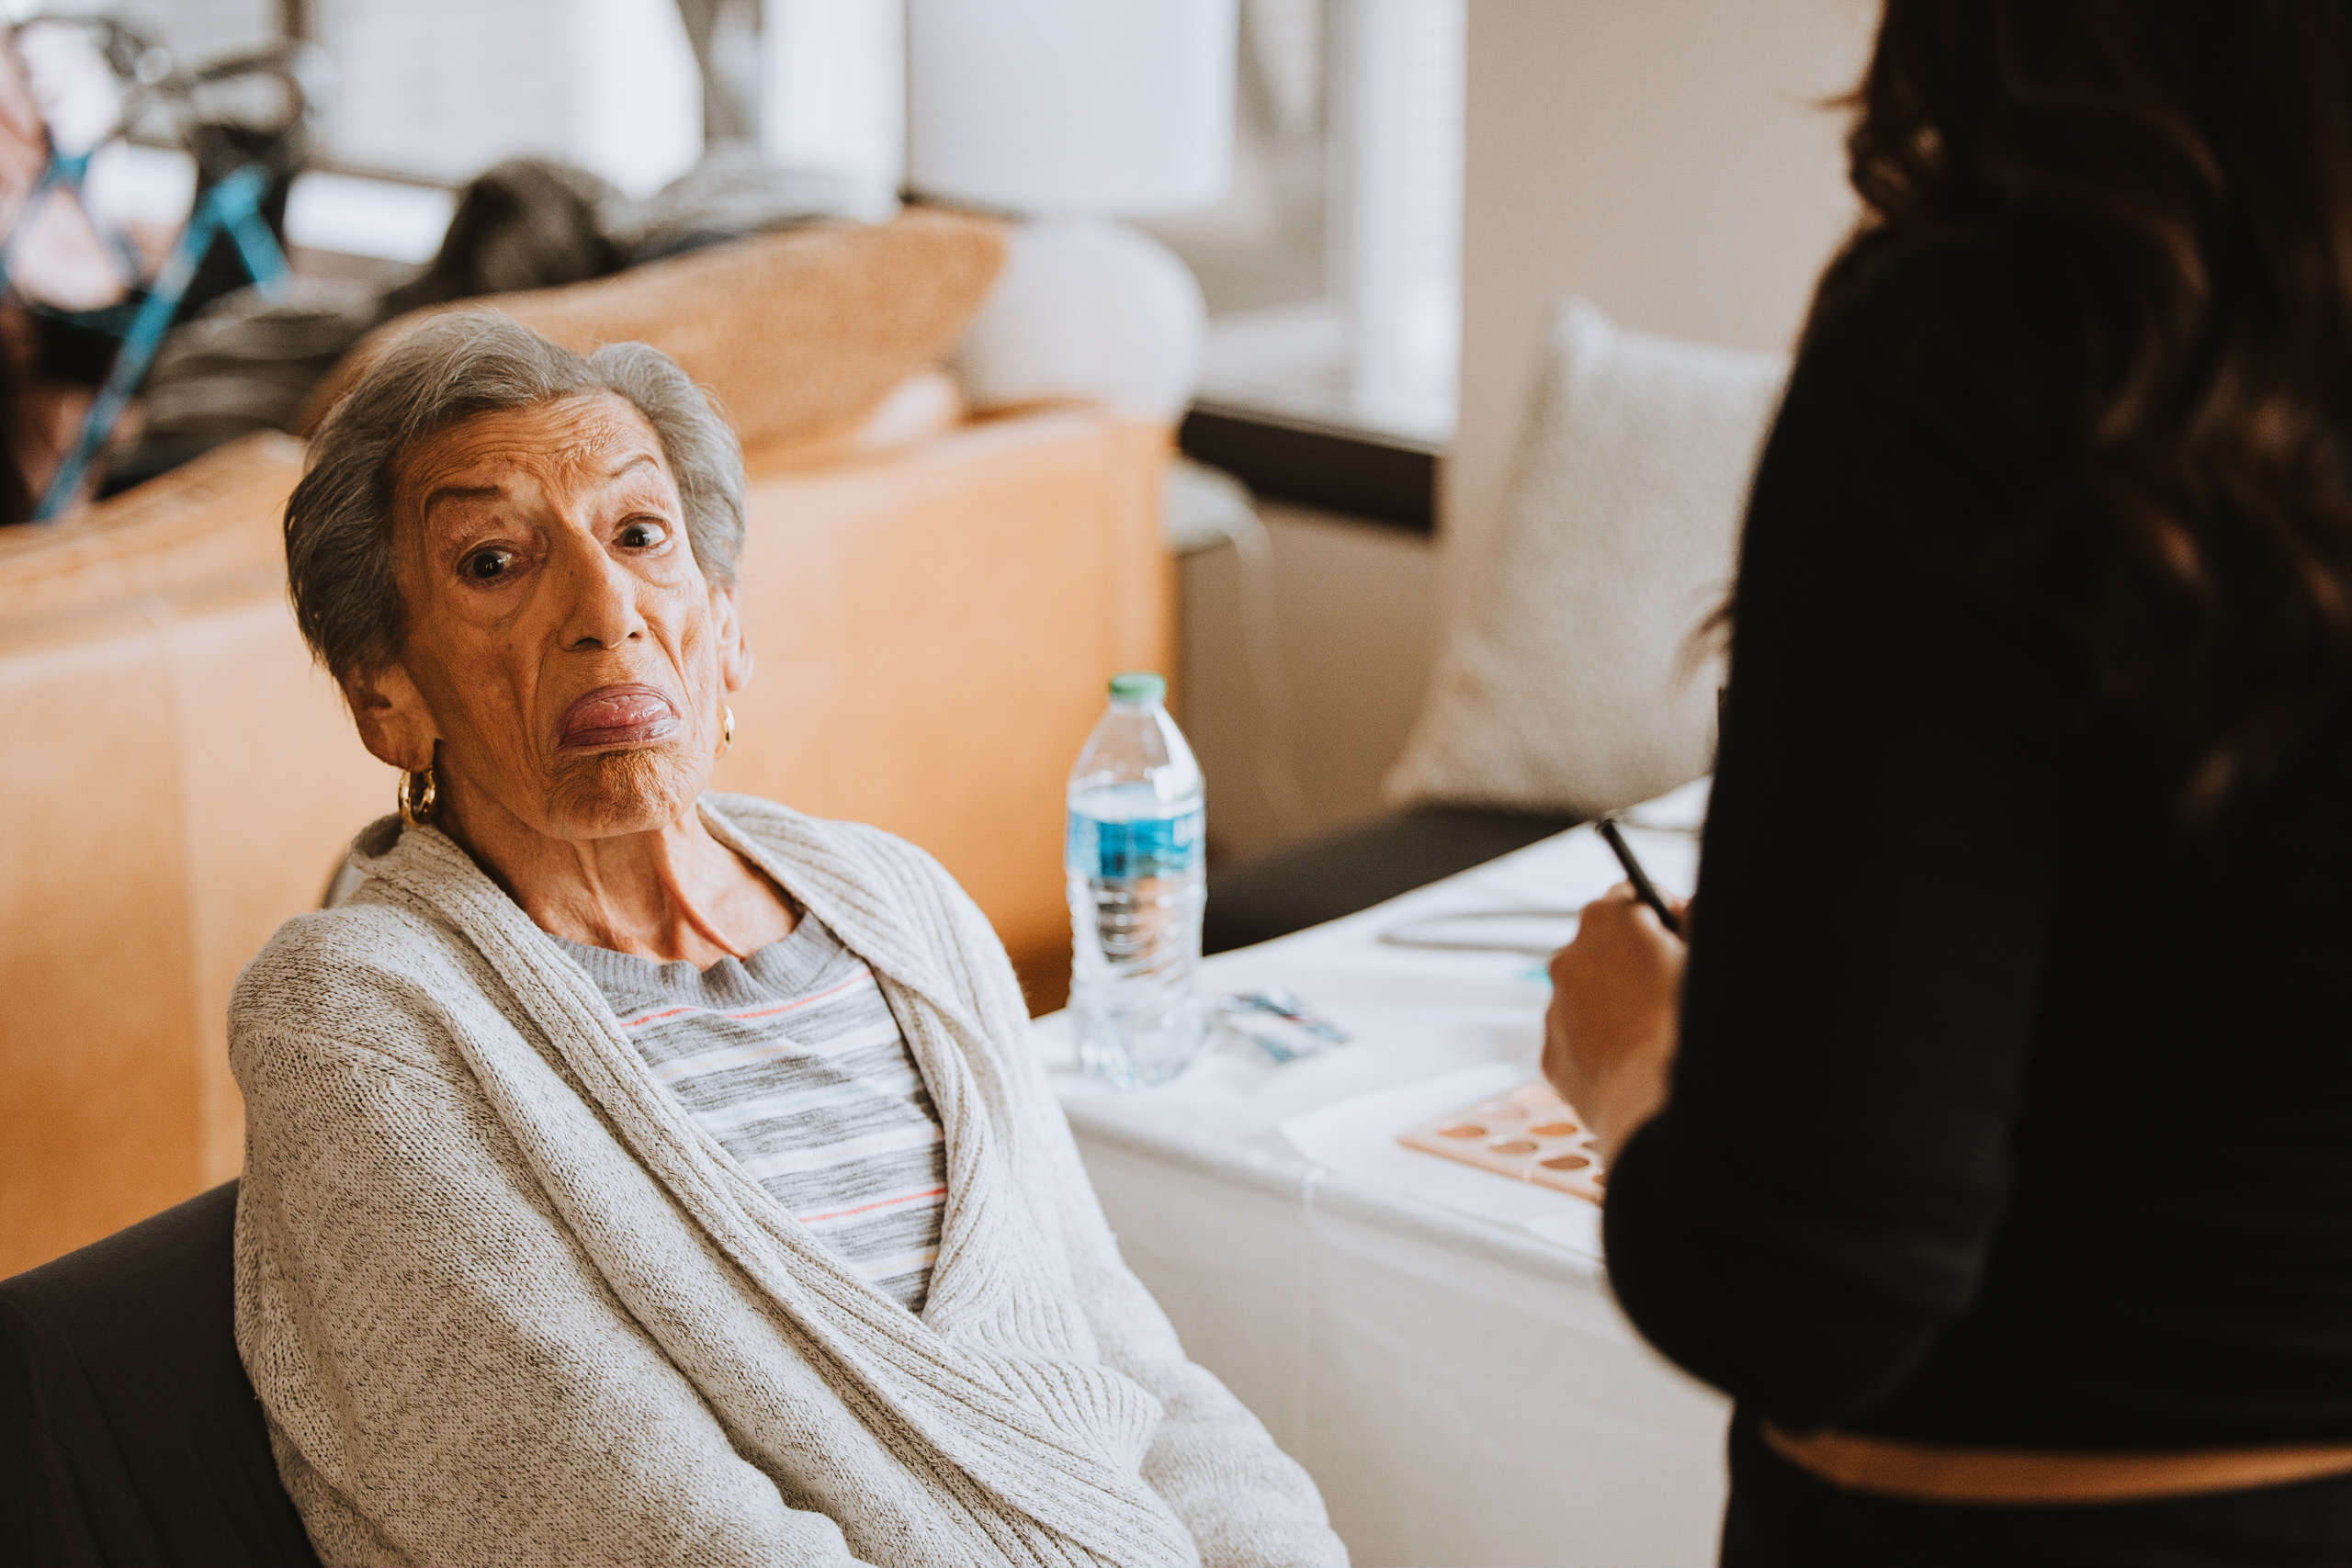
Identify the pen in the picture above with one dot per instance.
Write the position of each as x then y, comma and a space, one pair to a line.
1644, 889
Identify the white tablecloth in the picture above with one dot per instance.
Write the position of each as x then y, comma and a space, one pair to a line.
1435, 1343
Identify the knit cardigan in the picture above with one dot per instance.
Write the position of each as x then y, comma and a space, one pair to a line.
503, 1302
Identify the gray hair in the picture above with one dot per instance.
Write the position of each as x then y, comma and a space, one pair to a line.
339, 555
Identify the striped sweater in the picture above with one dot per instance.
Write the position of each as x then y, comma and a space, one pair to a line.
791, 1061
504, 1302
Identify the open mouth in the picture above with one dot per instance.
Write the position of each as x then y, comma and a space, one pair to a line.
619, 716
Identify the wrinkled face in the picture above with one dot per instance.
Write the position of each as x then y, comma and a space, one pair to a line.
566, 660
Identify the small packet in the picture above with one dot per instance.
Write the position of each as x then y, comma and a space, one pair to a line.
1285, 1028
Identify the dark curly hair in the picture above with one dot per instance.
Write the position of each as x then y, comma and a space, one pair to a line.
2180, 173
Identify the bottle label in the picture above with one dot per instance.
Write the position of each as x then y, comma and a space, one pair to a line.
1153, 846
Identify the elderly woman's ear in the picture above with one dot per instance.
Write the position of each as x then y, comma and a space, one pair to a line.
394, 722
734, 649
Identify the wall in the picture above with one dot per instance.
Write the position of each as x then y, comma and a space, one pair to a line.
1668, 159
1355, 605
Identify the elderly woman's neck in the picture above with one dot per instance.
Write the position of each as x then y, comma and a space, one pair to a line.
672, 894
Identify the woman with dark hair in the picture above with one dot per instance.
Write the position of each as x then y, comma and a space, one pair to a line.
1994, 1149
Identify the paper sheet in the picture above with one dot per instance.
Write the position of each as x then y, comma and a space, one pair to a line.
1357, 1137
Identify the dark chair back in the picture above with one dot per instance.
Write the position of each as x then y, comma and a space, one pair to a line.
129, 1434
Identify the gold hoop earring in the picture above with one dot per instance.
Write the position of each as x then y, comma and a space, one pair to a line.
416, 804
726, 729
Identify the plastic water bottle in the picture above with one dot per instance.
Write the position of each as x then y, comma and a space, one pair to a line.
1134, 854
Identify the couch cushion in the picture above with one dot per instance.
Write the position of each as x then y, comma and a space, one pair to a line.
793, 331
1575, 683
128, 1432
1353, 868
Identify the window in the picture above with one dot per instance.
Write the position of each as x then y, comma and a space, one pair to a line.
1333, 269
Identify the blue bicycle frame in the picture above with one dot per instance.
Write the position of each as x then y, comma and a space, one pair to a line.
232, 206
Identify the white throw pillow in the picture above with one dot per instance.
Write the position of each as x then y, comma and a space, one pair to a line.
1573, 683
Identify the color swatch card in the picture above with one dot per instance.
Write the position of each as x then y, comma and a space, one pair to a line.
1529, 1134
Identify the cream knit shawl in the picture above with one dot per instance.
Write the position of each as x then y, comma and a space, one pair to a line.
503, 1302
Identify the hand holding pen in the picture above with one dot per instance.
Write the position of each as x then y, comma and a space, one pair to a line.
1616, 1005
1644, 888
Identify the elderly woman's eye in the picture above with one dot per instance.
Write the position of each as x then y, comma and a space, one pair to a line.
643, 535
486, 566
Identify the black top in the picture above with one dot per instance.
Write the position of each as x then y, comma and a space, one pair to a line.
2004, 1113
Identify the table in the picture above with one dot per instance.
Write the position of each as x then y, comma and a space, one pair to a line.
1436, 1344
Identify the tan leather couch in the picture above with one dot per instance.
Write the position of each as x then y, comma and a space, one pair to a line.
933, 624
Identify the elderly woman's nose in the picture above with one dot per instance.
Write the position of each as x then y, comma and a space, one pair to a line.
600, 608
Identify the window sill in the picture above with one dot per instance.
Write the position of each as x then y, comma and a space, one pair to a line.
1382, 478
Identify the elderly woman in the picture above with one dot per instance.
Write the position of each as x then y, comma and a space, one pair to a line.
640, 1176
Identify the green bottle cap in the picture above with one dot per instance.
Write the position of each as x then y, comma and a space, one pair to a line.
1137, 686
